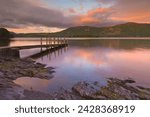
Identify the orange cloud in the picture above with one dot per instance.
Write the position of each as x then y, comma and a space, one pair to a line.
97, 10
94, 16
131, 11
142, 17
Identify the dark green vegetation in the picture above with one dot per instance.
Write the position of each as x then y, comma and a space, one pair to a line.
5, 34
122, 30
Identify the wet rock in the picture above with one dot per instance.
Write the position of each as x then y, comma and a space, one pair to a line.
1, 74
15, 68
129, 81
115, 92
115, 89
50, 68
66, 95
88, 90
24, 67
10, 91
40, 65
44, 75
35, 95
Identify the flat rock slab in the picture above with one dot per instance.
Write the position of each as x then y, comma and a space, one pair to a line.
14, 68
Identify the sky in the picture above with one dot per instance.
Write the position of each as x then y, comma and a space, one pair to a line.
27, 16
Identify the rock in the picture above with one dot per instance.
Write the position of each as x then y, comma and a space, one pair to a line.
35, 95
66, 95
15, 68
1, 74
88, 90
50, 68
129, 81
9, 90
44, 75
115, 89
115, 92
40, 65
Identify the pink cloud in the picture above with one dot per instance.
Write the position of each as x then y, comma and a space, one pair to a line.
71, 10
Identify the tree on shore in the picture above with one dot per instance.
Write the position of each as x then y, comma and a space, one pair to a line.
5, 34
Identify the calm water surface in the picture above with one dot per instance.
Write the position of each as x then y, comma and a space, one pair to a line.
90, 60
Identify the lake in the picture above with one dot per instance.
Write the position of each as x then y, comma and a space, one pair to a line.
89, 60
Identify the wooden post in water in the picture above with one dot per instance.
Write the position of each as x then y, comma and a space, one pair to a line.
46, 40
41, 43
58, 41
64, 41
54, 40
50, 42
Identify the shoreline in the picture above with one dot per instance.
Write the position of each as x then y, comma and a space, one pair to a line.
80, 38
14, 68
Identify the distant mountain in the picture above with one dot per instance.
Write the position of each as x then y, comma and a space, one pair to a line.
123, 30
5, 34
80, 31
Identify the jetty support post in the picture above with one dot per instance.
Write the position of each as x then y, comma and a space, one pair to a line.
54, 40
50, 42
61, 41
41, 41
58, 40
64, 41
47, 42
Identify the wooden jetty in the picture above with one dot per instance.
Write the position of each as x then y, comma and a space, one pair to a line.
45, 52
50, 43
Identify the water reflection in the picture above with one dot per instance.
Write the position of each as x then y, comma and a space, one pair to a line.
95, 60
25, 42
34, 83
112, 43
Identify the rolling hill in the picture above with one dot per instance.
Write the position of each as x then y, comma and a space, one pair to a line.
123, 30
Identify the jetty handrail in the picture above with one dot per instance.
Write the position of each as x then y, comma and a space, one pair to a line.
53, 40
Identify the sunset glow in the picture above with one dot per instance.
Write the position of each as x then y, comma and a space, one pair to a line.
52, 16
